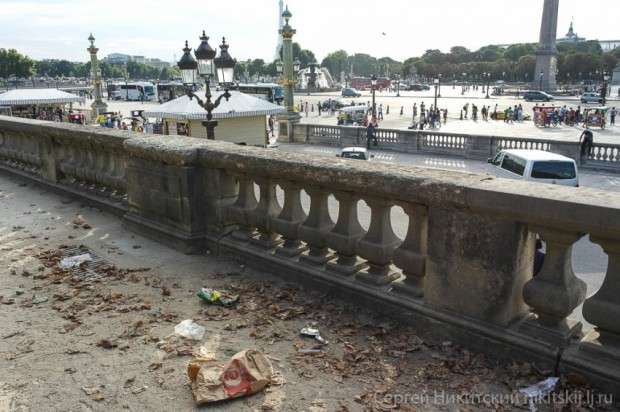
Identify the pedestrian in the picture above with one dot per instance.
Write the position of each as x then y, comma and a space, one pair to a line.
370, 134
612, 116
271, 126
381, 111
402, 110
415, 112
445, 116
320, 108
307, 108
586, 141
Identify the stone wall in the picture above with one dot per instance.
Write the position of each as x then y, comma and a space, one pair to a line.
463, 270
603, 157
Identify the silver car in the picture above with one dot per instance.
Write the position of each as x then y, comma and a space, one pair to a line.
591, 97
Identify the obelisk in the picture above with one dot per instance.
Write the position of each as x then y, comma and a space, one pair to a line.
546, 55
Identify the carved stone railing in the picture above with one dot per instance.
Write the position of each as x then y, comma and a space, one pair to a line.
86, 158
463, 269
603, 156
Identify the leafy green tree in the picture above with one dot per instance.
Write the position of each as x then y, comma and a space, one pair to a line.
13, 63
336, 62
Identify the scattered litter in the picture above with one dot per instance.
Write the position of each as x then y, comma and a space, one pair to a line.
75, 261
309, 351
37, 300
246, 373
313, 333
94, 393
218, 297
537, 392
190, 330
6, 301
139, 390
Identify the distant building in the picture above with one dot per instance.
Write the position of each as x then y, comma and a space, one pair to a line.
609, 45
117, 58
571, 36
120, 58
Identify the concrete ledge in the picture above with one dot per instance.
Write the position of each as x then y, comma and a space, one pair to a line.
188, 243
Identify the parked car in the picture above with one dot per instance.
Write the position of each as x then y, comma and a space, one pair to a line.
419, 87
359, 153
337, 104
536, 166
590, 97
536, 95
350, 92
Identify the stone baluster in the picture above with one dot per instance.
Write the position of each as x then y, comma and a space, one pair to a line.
315, 228
267, 209
556, 291
411, 256
239, 212
344, 236
289, 220
603, 309
379, 244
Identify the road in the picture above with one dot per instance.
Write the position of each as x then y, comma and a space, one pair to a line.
589, 259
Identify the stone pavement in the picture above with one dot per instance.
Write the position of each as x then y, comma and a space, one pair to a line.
100, 340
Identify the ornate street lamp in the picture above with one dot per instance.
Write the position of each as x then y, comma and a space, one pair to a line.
439, 86
206, 65
279, 67
373, 86
288, 78
436, 82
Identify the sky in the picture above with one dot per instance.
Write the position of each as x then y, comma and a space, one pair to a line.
158, 28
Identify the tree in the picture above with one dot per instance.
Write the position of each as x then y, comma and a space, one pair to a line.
516, 51
336, 62
363, 64
14, 64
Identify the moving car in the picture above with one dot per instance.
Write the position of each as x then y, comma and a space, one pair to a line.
590, 97
536, 95
536, 166
359, 153
350, 92
336, 103
419, 87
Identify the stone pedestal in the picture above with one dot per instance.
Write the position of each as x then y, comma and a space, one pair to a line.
98, 107
286, 123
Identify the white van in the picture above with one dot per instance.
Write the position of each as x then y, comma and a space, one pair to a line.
536, 166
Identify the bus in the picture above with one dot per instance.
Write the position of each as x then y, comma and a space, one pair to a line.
271, 92
137, 91
364, 83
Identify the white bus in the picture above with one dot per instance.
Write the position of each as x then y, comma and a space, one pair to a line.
138, 91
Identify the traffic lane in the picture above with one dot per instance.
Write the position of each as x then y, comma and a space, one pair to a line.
598, 180
589, 261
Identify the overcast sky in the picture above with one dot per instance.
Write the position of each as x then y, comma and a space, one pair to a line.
157, 28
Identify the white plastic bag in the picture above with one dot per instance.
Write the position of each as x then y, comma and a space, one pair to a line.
190, 330
75, 261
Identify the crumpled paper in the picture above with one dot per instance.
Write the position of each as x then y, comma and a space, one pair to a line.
246, 373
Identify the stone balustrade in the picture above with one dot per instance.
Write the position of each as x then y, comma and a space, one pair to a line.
77, 156
463, 270
603, 156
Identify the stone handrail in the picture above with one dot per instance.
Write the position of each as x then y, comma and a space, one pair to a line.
479, 147
463, 270
78, 156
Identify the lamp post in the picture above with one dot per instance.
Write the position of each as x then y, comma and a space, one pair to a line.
605, 87
488, 84
206, 65
397, 85
288, 81
98, 105
436, 81
126, 76
438, 87
373, 86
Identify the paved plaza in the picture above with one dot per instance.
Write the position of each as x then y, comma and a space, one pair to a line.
454, 102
